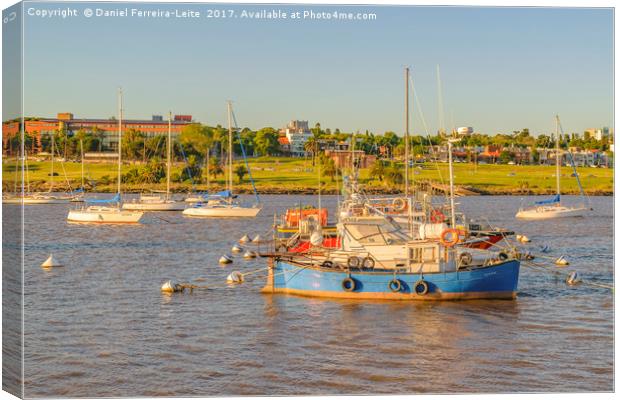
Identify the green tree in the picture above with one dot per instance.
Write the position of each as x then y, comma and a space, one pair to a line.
215, 167
394, 175
266, 142
311, 146
240, 171
378, 170
328, 167
98, 135
505, 157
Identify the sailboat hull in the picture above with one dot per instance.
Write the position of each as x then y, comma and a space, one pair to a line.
155, 206
35, 200
222, 212
551, 212
104, 215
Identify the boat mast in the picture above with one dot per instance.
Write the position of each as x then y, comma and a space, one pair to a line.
407, 132
120, 121
452, 213
557, 154
52, 174
82, 160
168, 156
230, 175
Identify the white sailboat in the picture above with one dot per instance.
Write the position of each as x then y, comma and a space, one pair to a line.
108, 214
43, 197
553, 208
156, 202
226, 206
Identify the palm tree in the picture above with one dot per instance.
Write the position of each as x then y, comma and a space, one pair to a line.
99, 135
329, 167
311, 146
240, 171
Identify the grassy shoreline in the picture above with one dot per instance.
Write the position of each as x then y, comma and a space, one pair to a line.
279, 175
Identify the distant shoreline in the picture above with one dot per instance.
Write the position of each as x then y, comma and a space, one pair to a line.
314, 191
280, 175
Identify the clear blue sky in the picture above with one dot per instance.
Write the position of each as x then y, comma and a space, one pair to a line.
502, 69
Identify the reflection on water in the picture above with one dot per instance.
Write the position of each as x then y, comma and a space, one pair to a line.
100, 326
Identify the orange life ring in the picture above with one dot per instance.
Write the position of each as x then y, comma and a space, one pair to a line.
453, 235
437, 216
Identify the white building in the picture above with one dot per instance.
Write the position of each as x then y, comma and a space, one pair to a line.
297, 133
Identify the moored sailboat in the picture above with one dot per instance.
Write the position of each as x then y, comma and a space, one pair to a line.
553, 208
156, 202
110, 210
224, 206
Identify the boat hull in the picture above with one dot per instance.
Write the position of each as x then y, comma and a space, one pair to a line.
550, 212
35, 200
221, 212
155, 206
104, 215
498, 281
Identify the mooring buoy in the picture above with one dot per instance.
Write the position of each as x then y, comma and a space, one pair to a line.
234, 277
249, 254
51, 262
169, 287
523, 239
573, 278
226, 259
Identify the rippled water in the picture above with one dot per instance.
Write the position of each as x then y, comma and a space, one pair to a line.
100, 326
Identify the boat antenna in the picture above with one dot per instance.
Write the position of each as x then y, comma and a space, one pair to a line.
440, 111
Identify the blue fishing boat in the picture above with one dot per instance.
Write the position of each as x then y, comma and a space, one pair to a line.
376, 260
498, 281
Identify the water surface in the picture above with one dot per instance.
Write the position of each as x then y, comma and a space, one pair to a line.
100, 326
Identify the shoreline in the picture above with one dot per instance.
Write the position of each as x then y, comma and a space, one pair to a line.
283, 190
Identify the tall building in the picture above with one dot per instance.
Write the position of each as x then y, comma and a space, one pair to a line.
38, 128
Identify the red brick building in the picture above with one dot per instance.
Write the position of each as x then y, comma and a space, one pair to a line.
39, 127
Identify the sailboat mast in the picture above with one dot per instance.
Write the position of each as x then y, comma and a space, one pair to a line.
120, 122
52, 173
557, 154
407, 132
230, 174
168, 155
82, 160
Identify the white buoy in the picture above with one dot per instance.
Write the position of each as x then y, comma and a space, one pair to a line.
237, 249
562, 261
51, 262
256, 239
234, 277
244, 239
573, 278
523, 239
249, 254
169, 287
226, 259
